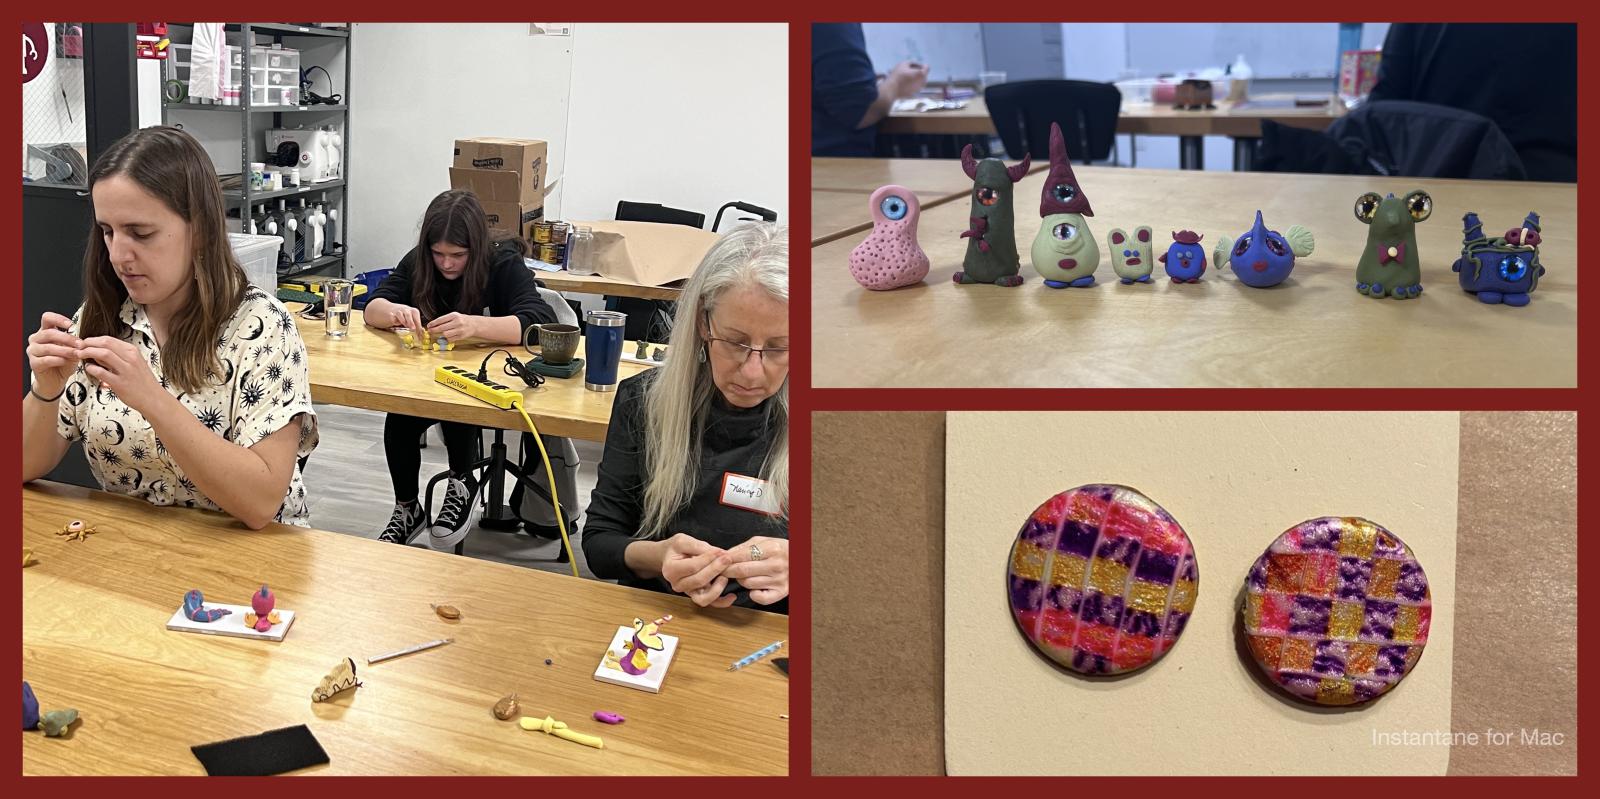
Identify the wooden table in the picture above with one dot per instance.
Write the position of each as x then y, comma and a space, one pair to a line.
841, 189
1314, 330
1242, 121
94, 638
372, 369
597, 284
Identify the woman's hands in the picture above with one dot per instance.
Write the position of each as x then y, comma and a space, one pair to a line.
767, 578
53, 353
702, 572
120, 367
457, 326
694, 568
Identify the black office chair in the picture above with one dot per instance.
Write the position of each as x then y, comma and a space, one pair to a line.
1087, 113
656, 212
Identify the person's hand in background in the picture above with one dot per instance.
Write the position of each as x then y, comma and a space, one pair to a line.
905, 80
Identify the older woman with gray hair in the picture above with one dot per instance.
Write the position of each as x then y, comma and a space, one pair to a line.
693, 489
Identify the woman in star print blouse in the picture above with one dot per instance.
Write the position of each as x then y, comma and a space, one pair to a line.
186, 385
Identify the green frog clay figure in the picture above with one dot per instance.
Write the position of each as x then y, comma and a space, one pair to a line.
1389, 265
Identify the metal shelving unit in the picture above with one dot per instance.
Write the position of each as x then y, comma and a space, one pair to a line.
246, 199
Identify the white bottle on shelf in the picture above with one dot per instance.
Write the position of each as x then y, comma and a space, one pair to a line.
317, 243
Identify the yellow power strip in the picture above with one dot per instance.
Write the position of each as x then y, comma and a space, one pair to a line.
468, 383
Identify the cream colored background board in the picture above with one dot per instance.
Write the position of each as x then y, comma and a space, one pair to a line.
1234, 480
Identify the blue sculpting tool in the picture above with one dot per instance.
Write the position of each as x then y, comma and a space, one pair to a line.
757, 655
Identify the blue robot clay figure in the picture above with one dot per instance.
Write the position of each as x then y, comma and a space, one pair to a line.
1262, 257
1504, 269
1185, 259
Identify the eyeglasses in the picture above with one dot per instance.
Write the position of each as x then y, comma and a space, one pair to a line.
738, 353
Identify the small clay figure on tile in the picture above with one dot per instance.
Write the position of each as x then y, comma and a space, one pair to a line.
1133, 258
640, 351
1263, 258
1502, 269
194, 608
1064, 251
890, 257
1185, 259
1389, 265
262, 616
992, 246
636, 653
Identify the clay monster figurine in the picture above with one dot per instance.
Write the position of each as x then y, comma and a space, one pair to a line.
890, 258
1502, 269
1262, 257
1132, 259
992, 252
1185, 259
1064, 253
261, 615
1389, 264
636, 652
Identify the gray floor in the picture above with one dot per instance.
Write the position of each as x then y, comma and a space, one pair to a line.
347, 480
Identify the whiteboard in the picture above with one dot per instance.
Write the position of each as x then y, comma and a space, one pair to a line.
950, 49
1273, 49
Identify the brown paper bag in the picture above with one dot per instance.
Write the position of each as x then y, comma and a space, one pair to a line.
648, 253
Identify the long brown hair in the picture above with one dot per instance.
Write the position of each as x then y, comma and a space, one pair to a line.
169, 164
454, 217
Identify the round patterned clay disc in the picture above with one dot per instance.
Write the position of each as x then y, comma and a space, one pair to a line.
1337, 610
1102, 579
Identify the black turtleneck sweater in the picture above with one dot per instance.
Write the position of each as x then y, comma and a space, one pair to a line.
735, 440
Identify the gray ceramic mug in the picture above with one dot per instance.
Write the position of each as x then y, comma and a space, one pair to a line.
558, 343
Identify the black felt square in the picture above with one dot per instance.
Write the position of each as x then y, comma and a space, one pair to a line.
275, 752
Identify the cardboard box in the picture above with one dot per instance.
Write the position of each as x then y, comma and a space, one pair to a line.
648, 253
512, 218
501, 170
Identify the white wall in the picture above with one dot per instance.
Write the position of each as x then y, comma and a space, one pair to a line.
415, 88
952, 50
691, 116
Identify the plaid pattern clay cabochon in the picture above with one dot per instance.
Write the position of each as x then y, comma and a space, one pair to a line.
1102, 579
1337, 611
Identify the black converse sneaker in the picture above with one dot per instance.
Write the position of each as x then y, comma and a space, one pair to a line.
407, 521
456, 516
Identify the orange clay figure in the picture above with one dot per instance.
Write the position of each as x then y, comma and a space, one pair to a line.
76, 531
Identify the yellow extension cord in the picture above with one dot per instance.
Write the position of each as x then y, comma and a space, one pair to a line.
550, 477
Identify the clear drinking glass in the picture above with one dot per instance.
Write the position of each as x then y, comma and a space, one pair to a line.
338, 295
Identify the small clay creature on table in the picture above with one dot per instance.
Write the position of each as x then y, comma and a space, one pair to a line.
1264, 258
636, 652
1133, 258
992, 249
1389, 265
1064, 251
890, 257
1504, 269
262, 615
1185, 259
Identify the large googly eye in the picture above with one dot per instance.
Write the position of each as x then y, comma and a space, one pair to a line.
987, 196
1244, 244
1064, 192
1513, 268
1420, 205
1065, 231
894, 208
1277, 245
1367, 206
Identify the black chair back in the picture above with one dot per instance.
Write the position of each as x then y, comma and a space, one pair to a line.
1086, 111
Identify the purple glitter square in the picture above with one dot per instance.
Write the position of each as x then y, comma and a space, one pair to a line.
1078, 538
1355, 575
1309, 616
1378, 623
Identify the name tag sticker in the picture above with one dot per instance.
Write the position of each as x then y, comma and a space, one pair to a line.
748, 493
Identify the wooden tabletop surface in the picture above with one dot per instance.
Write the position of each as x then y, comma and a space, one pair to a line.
597, 284
94, 638
1227, 119
1313, 330
372, 369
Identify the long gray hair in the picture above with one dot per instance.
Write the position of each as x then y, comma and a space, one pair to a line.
682, 392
